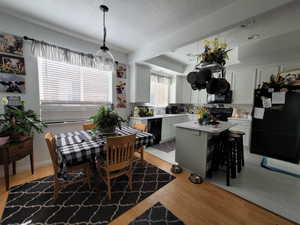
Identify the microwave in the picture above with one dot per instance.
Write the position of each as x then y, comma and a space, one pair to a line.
220, 98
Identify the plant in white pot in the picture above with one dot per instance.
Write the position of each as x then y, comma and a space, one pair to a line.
106, 120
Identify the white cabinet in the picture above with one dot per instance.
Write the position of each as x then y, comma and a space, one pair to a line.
243, 85
140, 83
243, 125
180, 90
264, 74
168, 131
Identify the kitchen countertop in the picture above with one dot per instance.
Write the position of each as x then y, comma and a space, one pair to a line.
240, 119
194, 125
158, 116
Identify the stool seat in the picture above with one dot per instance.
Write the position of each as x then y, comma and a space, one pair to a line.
237, 132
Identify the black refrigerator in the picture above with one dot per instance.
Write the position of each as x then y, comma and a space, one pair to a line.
277, 134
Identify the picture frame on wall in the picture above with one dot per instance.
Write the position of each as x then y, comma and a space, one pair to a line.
12, 83
121, 70
11, 44
12, 64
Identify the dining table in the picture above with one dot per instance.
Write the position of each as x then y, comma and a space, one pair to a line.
84, 145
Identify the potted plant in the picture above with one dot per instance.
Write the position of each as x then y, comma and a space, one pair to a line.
106, 120
203, 116
19, 124
214, 52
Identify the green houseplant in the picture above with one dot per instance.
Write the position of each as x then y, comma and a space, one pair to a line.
19, 124
106, 120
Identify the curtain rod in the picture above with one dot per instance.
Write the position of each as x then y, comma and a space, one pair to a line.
56, 46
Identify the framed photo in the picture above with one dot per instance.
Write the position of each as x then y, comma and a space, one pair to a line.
11, 44
121, 88
12, 64
121, 70
12, 83
121, 101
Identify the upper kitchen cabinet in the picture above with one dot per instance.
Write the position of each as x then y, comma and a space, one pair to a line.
180, 90
140, 83
242, 84
264, 74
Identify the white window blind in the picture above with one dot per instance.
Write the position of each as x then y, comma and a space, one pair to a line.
159, 90
71, 92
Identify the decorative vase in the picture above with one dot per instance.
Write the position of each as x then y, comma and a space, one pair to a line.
203, 121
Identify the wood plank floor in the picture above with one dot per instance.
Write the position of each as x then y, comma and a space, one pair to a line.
202, 204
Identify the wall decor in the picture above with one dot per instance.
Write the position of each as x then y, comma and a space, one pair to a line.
11, 44
121, 70
12, 83
121, 82
12, 64
121, 102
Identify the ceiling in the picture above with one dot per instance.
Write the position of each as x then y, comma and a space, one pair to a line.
131, 23
275, 26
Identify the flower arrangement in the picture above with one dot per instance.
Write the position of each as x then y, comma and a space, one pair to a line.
214, 52
203, 115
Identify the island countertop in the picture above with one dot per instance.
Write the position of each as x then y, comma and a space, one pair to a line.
194, 125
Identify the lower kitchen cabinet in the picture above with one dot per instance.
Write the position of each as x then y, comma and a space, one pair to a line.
168, 131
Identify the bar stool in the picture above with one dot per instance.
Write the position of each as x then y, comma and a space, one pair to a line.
224, 155
239, 148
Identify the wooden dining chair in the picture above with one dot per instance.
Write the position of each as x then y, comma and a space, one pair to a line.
60, 183
143, 128
88, 126
118, 160
140, 126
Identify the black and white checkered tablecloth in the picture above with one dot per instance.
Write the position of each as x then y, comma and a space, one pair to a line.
79, 146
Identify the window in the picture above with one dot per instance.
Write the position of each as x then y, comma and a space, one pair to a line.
159, 90
71, 92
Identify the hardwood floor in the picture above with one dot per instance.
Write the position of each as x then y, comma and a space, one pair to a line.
201, 204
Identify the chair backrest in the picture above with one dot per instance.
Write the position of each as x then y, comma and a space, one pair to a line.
51, 143
140, 126
120, 152
88, 126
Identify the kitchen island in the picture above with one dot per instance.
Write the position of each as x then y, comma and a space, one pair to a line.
195, 144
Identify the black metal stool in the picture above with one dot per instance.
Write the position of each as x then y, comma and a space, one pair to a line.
225, 156
239, 148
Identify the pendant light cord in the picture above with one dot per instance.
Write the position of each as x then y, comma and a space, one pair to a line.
104, 29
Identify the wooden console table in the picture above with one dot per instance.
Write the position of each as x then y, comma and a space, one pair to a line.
12, 152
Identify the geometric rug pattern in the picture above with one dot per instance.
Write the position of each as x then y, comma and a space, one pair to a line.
157, 215
33, 202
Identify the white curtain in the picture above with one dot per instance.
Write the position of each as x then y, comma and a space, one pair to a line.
56, 53
159, 90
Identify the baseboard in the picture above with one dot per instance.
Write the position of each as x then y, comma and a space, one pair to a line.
24, 168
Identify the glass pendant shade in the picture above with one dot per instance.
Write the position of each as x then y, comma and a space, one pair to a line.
104, 60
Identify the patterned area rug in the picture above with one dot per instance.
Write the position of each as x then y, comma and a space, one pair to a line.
157, 215
33, 203
167, 147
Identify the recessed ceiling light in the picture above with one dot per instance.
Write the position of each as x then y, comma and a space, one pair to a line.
254, 37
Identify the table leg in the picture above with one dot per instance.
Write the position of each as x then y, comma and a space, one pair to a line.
14, 167
31, 163
6, 175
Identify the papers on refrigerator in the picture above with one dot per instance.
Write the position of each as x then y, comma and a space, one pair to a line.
278, 98
259, 113
267, 103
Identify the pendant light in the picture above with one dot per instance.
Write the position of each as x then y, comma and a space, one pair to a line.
103, 57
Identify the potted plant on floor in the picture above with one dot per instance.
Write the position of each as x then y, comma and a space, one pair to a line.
19, 125
106, 120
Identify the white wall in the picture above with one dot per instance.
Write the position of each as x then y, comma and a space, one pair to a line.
13, 25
